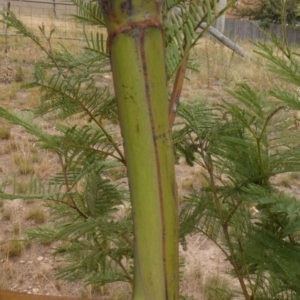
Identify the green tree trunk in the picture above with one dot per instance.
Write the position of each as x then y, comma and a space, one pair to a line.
136, 43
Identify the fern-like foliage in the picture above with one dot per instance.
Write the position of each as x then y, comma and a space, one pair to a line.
89, 12
90, 209
242, 145
182, 20
89, 206
185, 144
250, 139
95, 244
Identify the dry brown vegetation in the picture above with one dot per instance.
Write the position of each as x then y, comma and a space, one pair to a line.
28, 266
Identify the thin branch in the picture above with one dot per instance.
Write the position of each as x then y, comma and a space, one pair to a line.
232, 213
94, 149
50, 51
128, 240
225, 229
177, 88
258, 144
269, 117
64, 167
127, 275
246, 267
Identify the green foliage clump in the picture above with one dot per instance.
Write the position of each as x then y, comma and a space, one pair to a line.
243, 144
90, 210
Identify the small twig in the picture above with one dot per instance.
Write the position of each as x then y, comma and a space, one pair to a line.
258, 143
127, 275
269, 117
197, 240
50, 52
95, 150
232, 213
128, 240
246, 267
202, 242
50, 283
63, 202
69, 188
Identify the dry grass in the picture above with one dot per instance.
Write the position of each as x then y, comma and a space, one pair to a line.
6, 214
30, 201
20, 187
23, 162
285, 181
217, 287
9, 93
36, 214
13, 248
5, 129
12, 145
33, 98
187, 183
26, 156
295, 175
220, 69
16, 228
3, 283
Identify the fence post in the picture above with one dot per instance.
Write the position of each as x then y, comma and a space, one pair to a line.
83, 25
54, 8
220, 24
5, 11
3, 25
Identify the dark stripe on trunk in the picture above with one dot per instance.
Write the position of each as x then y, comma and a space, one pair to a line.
154, 135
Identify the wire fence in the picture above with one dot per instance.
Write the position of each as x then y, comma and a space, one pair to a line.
58, 15
52, 14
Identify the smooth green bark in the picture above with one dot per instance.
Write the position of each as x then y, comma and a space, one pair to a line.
138, 62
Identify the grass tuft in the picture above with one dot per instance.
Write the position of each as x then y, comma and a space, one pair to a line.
37, 215
23, 162
16, 228
217, 288
13, 248
6, 215
5, 129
